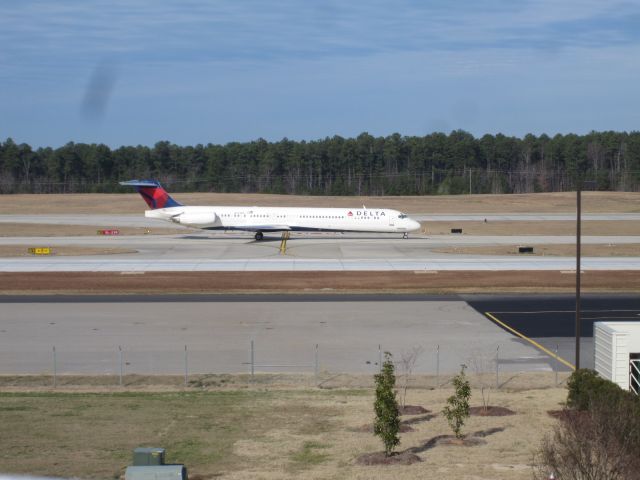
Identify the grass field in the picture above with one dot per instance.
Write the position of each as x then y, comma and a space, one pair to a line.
592, 202
48, 230
23, 251
29, 283
551, 227
589, 227
601, 250
258, 433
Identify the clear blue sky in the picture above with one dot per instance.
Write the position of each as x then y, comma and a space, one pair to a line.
140, 71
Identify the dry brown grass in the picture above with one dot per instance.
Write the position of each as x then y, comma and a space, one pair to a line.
269, 433
589, 227
23, 251
319, 282
552, 227
593, 202
48, 230
604, 250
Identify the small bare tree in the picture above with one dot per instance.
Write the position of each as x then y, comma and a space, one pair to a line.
481, 365
407, 363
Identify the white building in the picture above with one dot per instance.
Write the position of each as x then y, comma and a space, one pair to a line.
617, 353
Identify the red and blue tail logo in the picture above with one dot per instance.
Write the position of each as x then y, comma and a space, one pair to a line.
153, 193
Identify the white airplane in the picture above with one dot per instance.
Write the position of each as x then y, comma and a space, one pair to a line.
271, 219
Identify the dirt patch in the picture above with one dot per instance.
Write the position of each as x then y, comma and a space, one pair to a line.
23, 251
379, 458
567, 414
412, 410
491, 411
592, 202
318, 282
587, 250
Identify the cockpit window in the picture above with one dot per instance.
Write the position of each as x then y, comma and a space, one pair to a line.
402, 215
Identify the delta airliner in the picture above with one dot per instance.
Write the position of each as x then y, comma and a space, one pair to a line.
271, 219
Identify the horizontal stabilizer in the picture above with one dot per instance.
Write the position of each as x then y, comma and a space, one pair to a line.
141, 183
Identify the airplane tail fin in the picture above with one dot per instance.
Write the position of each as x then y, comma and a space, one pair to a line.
152, 193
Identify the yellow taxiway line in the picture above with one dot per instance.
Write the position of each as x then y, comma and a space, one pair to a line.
532, 342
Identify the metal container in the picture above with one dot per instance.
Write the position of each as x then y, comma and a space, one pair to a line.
159, 472
145, 456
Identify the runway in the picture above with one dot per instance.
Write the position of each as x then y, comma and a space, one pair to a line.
305, 252
486, 263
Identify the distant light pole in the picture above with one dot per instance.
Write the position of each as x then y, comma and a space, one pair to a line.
578, 235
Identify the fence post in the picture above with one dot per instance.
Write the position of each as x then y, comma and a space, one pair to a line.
316, 366
121, 365
497, 366
437, 365
252, 361
555, 365
380, 357
186, 367
55, 367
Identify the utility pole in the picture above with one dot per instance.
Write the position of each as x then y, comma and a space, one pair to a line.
578, 235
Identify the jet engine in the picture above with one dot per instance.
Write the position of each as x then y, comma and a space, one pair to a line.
195, 219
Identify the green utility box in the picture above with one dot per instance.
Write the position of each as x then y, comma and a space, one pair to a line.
157, 472
148, 456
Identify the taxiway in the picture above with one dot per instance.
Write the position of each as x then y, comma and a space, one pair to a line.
324, 252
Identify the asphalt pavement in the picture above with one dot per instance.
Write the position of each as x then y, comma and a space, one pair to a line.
550, 320
153, 330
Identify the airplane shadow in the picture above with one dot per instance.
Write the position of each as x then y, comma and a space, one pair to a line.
248, 240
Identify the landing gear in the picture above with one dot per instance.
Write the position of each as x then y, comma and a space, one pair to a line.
258, 236
405, 235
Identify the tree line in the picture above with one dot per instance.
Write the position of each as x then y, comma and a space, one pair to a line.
437, 163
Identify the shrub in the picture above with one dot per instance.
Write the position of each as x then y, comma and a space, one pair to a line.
457, 410
585, 385
387, 423
598, 437
599, 443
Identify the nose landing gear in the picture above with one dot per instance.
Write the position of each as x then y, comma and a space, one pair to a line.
258, 236
405, 235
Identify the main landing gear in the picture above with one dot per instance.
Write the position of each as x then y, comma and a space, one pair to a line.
258, 236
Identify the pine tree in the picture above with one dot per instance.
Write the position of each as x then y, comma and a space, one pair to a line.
457, 410
387, 423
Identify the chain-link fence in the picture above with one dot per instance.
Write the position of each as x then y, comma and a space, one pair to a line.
317, 361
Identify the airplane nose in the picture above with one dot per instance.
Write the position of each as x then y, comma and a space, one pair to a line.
413, 225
